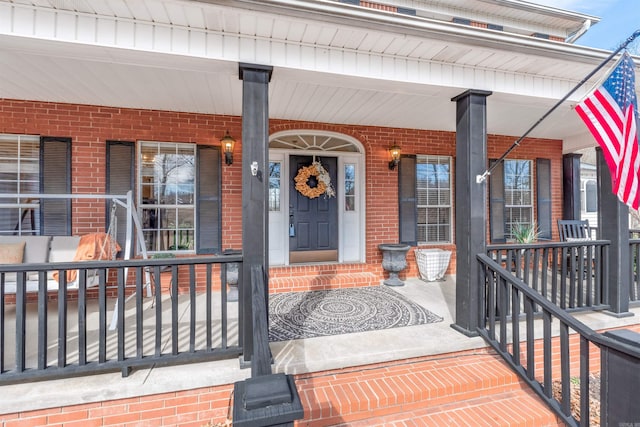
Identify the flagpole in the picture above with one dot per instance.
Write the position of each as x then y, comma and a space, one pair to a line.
481, 178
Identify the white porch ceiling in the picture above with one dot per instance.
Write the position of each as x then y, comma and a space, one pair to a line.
323, 71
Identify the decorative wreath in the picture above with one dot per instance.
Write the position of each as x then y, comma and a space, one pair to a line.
324, 181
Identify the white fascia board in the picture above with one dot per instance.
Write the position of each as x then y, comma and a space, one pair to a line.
377, 20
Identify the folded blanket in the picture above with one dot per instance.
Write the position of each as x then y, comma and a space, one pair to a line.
93, 246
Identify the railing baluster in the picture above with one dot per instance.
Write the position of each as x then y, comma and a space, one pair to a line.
536, 261
192, 307
634, 289
585, 416
21, 321
546, 354
563, 277
140, 277
515, 323
544, 274
531, 348
82, 320
208, 314
102, 322
158, 306
62, 321
43, 325
223, 298
121, 306
503, 297
589, 268
565, 371
174, 309
491, 306
554, 277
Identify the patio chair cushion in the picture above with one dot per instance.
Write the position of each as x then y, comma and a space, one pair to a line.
63, 248
36, 249
580, 239
12, 253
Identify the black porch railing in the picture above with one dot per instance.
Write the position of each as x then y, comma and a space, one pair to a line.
568, 274
114, 326
510, 312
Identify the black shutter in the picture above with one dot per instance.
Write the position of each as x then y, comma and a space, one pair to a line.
543, 196
55, 178
408, 207
496, 204
208, 206
120, 179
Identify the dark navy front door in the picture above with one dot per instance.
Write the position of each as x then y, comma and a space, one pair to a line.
313, 223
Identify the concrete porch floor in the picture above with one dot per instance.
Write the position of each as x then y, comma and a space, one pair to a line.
293, 357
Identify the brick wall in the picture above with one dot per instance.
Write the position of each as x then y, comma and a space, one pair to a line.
203, 407
90, 126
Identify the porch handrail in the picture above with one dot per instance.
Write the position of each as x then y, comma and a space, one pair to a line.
501, 293
150, 331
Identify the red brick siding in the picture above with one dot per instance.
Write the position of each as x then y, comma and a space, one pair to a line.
90, 126
200, 407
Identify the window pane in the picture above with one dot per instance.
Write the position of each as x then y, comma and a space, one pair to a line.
274, 186
433, 181
167, 195
19, 175
518, 194
349, 187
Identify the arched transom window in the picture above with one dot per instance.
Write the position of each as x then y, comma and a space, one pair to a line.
319, 142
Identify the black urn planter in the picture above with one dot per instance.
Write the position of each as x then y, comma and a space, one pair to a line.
394, 260
232, 275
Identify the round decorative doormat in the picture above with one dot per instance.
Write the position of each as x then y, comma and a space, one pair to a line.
296, 315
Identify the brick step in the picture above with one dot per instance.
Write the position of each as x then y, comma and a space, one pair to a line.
517, 408
472, 388
322, 281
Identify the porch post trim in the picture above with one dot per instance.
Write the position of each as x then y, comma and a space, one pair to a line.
471, 221
613, 225
255, 148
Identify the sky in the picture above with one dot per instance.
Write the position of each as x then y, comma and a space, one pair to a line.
618, 20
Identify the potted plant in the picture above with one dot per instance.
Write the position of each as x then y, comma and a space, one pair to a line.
523, 232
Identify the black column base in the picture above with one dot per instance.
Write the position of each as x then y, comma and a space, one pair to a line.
268, 400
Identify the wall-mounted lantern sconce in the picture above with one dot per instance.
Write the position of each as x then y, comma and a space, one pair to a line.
228, 143
394, 151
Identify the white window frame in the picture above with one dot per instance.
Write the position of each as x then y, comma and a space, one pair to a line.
508, 206
21, 202
177, 230
422, 159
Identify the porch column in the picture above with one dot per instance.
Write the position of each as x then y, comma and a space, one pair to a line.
471, 221
613, 225
255, 148
571, 186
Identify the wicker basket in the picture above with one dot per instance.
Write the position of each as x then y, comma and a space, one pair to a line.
432, 263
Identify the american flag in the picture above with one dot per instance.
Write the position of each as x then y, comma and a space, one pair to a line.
611, 114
